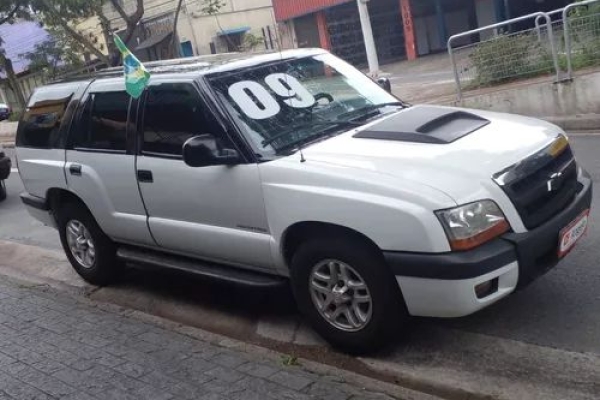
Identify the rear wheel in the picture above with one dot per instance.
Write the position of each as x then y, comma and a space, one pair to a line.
91, 253
348, 294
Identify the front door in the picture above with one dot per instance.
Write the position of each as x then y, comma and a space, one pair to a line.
216, 212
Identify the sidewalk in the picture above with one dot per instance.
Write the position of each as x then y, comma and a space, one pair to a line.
54, 346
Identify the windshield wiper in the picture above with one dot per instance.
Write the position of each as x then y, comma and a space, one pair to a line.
365, 111
334, 123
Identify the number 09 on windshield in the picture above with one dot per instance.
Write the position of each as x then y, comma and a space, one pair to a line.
258, 103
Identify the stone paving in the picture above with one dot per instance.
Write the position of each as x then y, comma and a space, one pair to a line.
58, 346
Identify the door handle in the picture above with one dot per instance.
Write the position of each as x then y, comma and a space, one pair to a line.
75, 169
145, 176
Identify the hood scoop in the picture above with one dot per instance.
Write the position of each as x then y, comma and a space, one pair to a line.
425, 124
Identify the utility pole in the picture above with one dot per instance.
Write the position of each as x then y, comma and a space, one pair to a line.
367, 31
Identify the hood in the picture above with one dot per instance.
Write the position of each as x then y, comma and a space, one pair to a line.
447, 148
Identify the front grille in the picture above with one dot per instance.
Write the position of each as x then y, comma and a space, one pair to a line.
541, 186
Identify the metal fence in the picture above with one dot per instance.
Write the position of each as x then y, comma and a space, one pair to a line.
582, 35
561, 41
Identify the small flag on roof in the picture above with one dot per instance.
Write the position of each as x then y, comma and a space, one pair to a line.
136, 75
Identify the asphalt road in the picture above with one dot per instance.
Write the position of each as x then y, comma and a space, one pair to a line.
560, 310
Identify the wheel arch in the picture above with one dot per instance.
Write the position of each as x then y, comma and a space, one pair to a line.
299, 232
57, 196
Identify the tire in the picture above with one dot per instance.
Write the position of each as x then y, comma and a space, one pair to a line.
105, 266
2, 191
388, 316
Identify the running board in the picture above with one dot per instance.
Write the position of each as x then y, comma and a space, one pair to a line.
222, 273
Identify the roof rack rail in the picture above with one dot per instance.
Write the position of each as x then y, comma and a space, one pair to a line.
156, 66
182, 61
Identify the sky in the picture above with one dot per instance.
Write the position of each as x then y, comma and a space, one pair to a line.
21, 38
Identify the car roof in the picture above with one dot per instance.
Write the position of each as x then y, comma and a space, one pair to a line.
193, 67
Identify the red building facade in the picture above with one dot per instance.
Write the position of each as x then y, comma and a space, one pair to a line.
337, 25
402, 29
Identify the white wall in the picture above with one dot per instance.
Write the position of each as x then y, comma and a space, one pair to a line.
202, 29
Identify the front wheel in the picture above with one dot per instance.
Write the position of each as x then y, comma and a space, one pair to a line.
91, 253
348, 294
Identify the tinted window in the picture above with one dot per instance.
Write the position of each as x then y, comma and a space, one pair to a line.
42, 119
172, 115
103, 122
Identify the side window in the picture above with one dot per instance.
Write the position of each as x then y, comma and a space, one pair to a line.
103, 122
172, 115
40, 125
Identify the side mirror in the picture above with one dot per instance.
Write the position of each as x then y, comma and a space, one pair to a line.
385, 84
203, 151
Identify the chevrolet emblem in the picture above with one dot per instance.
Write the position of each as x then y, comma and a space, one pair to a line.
552, 183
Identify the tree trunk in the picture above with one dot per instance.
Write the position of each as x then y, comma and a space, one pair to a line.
176, 45
13, 83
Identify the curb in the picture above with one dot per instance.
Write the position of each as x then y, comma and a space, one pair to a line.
313, 357
326, 371
577, 123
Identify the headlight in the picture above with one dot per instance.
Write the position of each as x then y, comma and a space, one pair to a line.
473, 224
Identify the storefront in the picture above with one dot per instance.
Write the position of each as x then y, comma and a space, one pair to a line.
401, 28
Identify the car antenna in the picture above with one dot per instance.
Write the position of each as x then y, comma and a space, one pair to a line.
302, 159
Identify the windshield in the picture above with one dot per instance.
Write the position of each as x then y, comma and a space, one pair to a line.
282, 104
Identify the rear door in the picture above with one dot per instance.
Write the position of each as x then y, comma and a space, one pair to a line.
100, 165
41, 133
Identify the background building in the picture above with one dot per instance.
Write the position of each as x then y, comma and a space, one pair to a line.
403, 29
240, 25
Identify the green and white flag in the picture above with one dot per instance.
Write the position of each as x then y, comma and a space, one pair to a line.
136, 75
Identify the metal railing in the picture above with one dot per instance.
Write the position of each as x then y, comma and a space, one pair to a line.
582, 35
539, 18
505, 55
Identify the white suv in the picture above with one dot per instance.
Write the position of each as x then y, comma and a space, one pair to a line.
295, 166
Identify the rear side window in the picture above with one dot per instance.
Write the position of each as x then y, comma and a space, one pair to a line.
41, 122
103, 122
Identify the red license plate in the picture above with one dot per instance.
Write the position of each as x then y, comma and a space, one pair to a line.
569, 235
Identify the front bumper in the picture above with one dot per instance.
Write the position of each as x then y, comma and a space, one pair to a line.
443, 285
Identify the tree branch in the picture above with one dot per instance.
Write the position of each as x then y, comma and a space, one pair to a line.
11, 13
133, 21
120, 10
139, 11
74, 34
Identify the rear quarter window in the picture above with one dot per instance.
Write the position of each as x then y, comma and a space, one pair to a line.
46, 112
